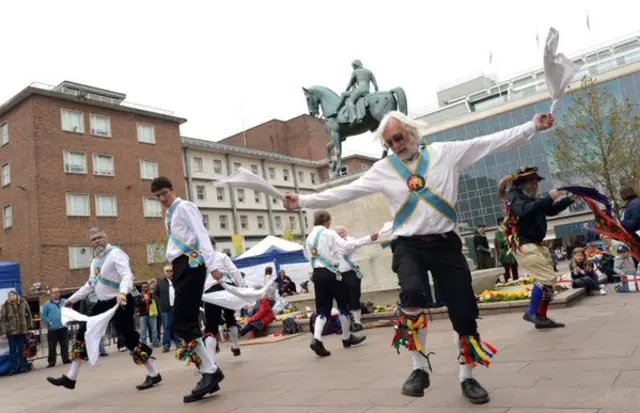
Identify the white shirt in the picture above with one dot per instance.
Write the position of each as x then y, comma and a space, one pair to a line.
172, 293
115, 268
331, 246
446, 160
224, 264
186, 224
354, 257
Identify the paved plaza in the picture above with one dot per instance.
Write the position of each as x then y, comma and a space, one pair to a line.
593, 365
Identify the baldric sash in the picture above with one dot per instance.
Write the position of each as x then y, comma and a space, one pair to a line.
195, 256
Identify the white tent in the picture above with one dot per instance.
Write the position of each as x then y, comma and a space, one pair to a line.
269, 244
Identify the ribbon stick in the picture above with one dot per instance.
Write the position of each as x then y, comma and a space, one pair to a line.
558, 69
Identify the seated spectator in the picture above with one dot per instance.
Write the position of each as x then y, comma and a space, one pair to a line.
583, 274
623, 263
287, 286
262, 317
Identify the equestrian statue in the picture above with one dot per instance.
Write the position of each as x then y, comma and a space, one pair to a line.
356, 111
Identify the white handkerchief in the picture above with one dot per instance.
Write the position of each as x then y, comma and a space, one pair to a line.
243, 178
558, 69
235, 298
387, 230
96, 329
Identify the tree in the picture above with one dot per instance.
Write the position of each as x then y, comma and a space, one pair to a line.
290, 234
155, 254
598, 141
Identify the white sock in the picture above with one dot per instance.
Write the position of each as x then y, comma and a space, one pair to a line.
420, 362
357, 316
211, 343
319, 326
74, 370
151, 367
208, 365
346, 323
466, 370
233, 335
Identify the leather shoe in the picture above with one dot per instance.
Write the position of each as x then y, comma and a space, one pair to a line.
318, 347
353, 340
208, 383
416, 384
474, 392
149, 382
63, 381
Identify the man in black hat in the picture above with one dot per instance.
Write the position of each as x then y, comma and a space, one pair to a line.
526, 227
481, 248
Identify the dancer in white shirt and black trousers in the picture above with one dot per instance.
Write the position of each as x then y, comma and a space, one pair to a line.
352, 277
190, 252
324, 248
111, 280
422, 188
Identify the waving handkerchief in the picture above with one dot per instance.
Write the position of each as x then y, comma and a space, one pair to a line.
96, 328
236, 298
243, 178
558, 69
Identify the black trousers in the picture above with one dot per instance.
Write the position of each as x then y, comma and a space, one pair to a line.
188, 284
55, 337
122, 320
442, 255
213, 314
353, 284
328, 288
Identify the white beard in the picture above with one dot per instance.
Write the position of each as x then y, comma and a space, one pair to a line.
98, 251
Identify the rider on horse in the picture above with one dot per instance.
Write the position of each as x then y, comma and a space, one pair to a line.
360, 79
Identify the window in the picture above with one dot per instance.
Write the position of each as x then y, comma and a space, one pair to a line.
200, 193
278, 222
101, 125
274, 201
217, 166
220, 194
146, 133
343, 171
364, 166
260, 222
6, 174
256, 197
254, 169
292, 223
240, 193
236, 166
197, 165
148, 169
7, 217
103, 165
80, 257
106, 206
78, 205
223, 221
151, 207
244, 222
272, 173
285, 175
75, 162
205, 221
156, 253
313, 178
4, 134
300, 177
72, 121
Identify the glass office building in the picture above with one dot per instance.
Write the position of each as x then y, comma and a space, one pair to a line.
478, 200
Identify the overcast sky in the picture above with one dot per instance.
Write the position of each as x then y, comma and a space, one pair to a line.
229, 65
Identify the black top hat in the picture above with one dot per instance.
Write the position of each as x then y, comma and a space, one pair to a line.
527, 173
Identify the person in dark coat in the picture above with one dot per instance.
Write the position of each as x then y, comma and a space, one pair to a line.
484, 260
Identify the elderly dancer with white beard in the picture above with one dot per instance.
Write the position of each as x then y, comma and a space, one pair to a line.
111, 280
422, 187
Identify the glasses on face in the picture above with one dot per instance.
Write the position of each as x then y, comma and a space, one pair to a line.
396, 138
97, 238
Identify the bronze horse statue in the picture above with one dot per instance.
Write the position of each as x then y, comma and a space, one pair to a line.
376, 106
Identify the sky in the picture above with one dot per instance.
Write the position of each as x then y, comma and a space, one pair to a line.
227, 66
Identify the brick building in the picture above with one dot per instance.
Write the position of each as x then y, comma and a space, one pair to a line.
74, 156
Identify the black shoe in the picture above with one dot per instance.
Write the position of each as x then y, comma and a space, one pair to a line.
66, 362
166, 350
548, 323
235, 351
416, 384
357, 327
149, 382
208, 384
530, 318
474, 392
190, 398
353, 340
63, 381
51, 365
318, 347
104, 355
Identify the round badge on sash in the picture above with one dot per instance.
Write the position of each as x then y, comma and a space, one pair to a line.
416, 183
314, 252
97, 271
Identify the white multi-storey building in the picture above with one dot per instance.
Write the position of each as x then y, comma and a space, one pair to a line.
244, 211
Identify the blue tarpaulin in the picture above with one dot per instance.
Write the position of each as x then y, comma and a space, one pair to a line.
276, 257
9, 280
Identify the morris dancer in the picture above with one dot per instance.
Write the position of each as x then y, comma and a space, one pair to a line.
352, 278
421, 186
324, 248
111, 280
192, 257
525, 222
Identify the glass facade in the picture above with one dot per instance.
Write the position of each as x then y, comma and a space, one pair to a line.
478, 200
